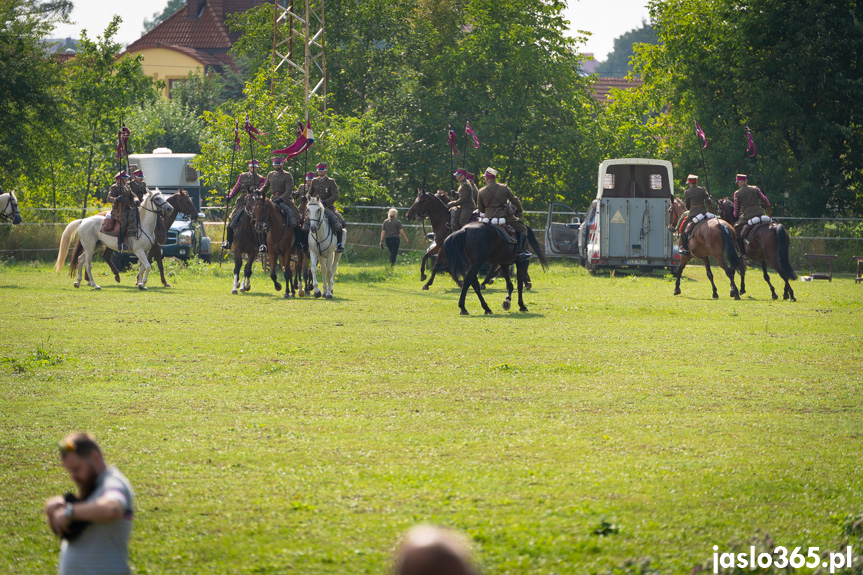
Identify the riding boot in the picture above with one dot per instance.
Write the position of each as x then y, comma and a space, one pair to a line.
340, 246
226, 245
523, 254
684, 244
124, 228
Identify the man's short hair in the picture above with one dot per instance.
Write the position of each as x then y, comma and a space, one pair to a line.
81, 444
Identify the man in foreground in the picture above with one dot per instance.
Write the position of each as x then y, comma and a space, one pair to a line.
95, 524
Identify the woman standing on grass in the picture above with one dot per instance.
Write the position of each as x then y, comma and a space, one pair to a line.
391, 231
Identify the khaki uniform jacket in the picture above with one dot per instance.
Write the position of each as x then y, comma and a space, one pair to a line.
749, 203
325, 189
302, 190
122, 194
492, 202
281, 182
696, 200
246, 184
474, 191
140, 190
464, 204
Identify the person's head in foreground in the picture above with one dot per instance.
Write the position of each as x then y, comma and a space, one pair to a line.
429, 550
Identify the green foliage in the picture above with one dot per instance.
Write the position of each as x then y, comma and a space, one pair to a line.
618, 64
783, 68
30, 95
165, 123
159, 17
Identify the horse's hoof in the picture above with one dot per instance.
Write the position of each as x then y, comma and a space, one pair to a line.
715, 295
328, 296
141, 287
736, 297
166, 284
464, 312
117, 278
488, 312
301, 293
286, 296
234, 292
423, 278
76, 284
491, 281
522, 308
528, 285
483, 286
775, 296
793, 299
676, 291
743, 292
97, 287
278, 287
459, 284
317, 294
425, 288
506, 304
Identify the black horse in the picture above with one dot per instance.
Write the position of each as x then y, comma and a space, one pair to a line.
476, 243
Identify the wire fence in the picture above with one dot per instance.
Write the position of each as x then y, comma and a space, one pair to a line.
39, 234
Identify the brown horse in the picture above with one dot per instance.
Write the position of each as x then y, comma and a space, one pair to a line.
246, 242
766, 243
181, 202
433, 207
710, 238
477, 243
280, 241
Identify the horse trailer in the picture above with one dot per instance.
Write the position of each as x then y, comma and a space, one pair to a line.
626, 225
169, 172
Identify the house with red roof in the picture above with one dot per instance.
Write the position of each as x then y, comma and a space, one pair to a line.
193, 39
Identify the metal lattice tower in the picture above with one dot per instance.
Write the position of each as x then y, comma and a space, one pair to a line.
298, 45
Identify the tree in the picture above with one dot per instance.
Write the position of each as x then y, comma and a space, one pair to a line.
101, 89
30, 94
789, 70
159, 17
165, 123
618, 63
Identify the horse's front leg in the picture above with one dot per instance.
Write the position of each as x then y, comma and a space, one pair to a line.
157, 254
313, 262
238, 263
274, 259
683, 261
143, 268
247, 271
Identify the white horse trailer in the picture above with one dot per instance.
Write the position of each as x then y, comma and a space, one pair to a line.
169, 172
627, 224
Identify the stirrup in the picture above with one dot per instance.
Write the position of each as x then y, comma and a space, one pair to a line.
524, 256
683, 251
340, 247
226, 245
262, 249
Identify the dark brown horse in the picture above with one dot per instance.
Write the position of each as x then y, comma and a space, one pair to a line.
767, 243
181, 202
477, 243
246, 242
710, 239
280, 240
433, 207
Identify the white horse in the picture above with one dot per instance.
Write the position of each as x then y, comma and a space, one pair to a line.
9, 208
322, 247
89, 230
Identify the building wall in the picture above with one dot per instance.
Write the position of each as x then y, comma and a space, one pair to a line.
168, 65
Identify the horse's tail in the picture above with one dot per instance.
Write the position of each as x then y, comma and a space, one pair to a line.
730, 250
453, 247
76, 253
540, 253
65, 240
784, 241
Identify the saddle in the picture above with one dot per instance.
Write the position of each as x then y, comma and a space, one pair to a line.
111, 227
755, 227
506, 231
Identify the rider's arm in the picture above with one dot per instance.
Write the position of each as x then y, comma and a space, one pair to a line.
236, 188
736, 207
516, 203
763, 198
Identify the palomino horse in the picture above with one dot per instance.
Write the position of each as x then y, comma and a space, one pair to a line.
90, 231
9, 208
476, 243
766, 243
182, 203
246, 242
710, 238
322, 247
280, 241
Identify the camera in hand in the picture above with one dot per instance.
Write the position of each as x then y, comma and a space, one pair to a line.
75, 528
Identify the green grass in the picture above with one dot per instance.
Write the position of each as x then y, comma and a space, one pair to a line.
272, 436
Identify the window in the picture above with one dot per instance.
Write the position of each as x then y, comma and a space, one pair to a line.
191, 173
655, 181
608, 184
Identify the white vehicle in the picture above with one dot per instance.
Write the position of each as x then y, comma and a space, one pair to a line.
626, 225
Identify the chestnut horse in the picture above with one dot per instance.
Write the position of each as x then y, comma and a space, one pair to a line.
477, 243
710, 238
280, 241
766, 243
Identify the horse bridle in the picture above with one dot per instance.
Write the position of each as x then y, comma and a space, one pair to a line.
319, 220
13, 204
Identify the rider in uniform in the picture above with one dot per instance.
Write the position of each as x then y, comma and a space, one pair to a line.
471, 179
326, 190
282, 184
303, 190
463, 207
124, 206
493, 198
747, 208
696, 200
140, 189
248, 183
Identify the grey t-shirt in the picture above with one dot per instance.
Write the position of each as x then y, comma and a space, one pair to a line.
103, 548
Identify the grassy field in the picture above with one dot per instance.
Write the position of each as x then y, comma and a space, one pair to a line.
611, 422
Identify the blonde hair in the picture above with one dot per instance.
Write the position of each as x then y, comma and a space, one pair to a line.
393, 213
